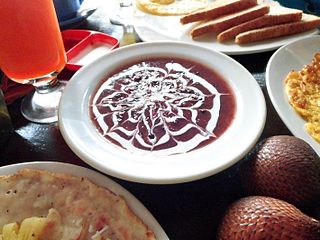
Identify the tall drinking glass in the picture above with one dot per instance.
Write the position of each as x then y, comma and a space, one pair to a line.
32, 52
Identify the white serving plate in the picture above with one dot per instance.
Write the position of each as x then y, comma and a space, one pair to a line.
82, 137
98, 179
290, 57
155, 28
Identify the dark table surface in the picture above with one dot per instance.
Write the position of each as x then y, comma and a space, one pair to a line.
186, 211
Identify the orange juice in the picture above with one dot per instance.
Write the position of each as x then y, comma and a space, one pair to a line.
30, 40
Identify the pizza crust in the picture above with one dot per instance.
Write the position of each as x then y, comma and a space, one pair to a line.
82, 209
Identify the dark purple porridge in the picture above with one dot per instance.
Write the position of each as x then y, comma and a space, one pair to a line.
164, 105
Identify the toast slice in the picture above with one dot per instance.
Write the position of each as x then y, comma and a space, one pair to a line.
217, 9
222, 23
277, 15
307, 22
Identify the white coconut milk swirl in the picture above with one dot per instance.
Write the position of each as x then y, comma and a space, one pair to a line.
141, 100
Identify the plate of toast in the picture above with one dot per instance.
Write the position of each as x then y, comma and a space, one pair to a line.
233, 27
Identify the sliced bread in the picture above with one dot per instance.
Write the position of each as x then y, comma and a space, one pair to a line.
222, 23
277, 15
216, 9
307, 22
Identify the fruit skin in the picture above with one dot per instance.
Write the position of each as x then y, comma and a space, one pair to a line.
283, 167
259, 217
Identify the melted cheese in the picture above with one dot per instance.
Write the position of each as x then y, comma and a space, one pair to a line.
78, 209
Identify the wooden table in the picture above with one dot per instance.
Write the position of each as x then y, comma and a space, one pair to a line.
186, 211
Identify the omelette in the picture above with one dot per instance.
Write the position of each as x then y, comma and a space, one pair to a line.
170, 7
40, 205
303, 91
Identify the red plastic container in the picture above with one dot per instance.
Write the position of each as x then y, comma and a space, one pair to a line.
84, 46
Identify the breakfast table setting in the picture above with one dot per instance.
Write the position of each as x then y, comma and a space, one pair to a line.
187, 198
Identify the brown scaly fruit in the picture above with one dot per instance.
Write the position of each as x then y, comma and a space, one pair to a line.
259, 217
283, 167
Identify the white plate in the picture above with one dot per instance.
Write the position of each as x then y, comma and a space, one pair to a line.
82, 137
290, 57
98, 179
154, 28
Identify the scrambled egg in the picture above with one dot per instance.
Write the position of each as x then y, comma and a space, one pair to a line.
170, 7
303, 90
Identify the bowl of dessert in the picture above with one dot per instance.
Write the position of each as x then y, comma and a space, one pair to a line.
162, 112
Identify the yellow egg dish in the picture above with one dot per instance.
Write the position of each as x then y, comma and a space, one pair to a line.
303, 90
170, 7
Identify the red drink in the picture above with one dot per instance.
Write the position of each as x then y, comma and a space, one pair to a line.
30, 40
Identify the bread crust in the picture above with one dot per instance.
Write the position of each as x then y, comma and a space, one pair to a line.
220, 24
307, 22
216, 9
282, 15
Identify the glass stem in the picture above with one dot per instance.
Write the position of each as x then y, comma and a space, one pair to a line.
47, 86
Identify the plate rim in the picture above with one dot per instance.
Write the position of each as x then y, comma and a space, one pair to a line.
97, 178
273, 95
66, 133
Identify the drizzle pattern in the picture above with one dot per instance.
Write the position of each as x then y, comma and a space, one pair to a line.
166, 110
